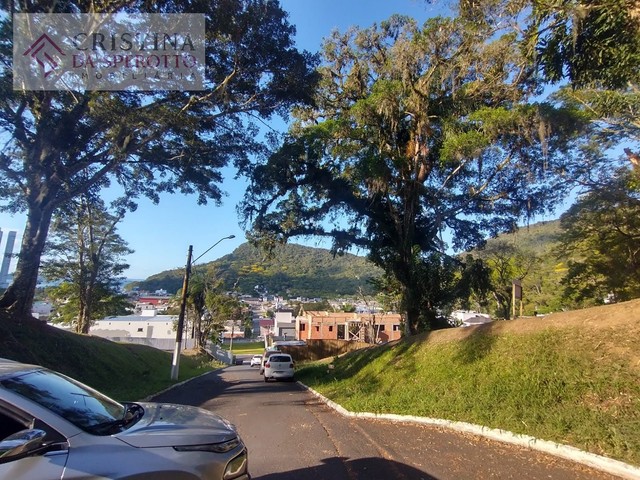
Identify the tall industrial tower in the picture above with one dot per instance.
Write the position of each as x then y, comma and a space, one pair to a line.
8, 256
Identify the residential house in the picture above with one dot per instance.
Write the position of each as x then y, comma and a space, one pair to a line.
469, 318
284, 325
266, 326
146, 325
41, 310
155, 302
233, 329
363, 327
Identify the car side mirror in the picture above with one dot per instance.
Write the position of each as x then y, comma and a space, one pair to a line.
21, 443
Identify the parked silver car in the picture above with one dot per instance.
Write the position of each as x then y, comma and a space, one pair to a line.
53, 427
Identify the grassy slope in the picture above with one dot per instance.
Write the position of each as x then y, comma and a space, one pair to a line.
573, 378
122, 371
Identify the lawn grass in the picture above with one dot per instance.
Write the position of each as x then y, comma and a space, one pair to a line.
245, 348
558, 384
120, 370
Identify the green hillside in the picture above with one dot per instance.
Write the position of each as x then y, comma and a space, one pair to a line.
535, 247
292, 271
299, 271
539, 238
572, 378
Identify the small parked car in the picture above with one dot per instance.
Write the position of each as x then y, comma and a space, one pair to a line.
256, 360
279, 366
52, 426
265, 356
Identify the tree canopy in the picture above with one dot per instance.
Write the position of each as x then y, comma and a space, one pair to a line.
59, 144
417, 135
84, 257
601, 239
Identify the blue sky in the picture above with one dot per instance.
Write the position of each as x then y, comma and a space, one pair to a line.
161, 234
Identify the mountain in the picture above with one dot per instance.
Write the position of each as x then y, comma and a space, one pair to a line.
293, 271
299, 271
542, 286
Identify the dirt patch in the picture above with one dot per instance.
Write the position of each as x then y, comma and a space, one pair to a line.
605, 317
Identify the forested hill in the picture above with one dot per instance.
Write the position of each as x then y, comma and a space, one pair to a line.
531, 253
540, 238
294, 270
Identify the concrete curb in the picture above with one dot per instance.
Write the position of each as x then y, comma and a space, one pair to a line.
608, 465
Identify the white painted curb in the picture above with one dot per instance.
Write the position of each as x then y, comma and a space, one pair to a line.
599, 462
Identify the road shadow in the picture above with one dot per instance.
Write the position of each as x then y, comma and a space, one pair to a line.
196, 391
337, 468
201, 390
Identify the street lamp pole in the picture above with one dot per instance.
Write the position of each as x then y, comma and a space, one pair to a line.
175, 365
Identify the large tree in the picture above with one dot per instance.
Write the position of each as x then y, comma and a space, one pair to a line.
418, 134
84, 257
59, 144
601, 239
592, 47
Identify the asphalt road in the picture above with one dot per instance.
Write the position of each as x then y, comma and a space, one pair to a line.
292, 435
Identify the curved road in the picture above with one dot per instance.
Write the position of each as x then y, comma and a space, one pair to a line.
292, 435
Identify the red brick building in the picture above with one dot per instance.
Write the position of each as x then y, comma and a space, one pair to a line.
370, 328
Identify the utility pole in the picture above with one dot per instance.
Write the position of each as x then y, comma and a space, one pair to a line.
175, 366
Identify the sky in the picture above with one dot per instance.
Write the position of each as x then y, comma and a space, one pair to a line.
161, 234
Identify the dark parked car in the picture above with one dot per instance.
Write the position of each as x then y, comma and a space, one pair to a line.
53, 427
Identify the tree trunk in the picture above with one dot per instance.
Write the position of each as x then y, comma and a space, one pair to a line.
87, 312
18, 298
412, 307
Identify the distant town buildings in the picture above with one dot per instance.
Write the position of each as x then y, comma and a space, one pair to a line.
5, 278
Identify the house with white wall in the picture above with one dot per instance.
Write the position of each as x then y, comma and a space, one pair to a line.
469, 318
284, 325
146, 325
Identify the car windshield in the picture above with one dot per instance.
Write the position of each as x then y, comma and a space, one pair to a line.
81, 405
280, 358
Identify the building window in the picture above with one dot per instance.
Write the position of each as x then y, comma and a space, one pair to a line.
381, 328
140, 329
317, 328
303, 327
396, 328
331, 328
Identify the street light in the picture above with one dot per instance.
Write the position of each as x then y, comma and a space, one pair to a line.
175, 365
